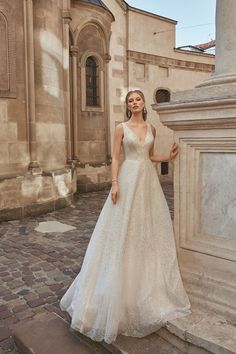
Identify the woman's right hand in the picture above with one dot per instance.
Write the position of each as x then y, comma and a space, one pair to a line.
115, 192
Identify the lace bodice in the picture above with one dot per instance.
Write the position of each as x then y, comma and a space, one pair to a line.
133, 148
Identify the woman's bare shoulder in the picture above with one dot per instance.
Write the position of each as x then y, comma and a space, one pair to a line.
119, 130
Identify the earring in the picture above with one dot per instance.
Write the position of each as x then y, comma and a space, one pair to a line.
145, 110
129, 113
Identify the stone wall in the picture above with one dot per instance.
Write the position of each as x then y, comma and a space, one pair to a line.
48, 49
90, 32
34, 176
14, 154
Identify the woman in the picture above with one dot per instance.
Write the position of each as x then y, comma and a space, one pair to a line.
129, 282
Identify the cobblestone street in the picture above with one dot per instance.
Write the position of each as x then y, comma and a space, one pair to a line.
36, 268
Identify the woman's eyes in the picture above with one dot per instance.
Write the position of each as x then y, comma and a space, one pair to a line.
137, 99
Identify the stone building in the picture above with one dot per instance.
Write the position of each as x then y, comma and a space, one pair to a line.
65, 67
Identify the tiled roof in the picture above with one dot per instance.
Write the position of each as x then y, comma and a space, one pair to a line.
191, 48
96, 2
207, 45
100, 4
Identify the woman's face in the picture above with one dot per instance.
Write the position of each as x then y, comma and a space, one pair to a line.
135, 103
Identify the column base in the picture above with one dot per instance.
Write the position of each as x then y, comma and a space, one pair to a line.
218, 80
34, 168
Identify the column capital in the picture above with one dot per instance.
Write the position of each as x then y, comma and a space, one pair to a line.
107, 57
34, 168
66, 15
74, 50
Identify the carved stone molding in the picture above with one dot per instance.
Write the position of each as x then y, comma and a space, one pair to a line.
168, 62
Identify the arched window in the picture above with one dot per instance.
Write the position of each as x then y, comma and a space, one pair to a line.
162, 96
92, 85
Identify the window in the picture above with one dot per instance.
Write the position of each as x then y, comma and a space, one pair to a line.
162, 96
92, 87
7, 51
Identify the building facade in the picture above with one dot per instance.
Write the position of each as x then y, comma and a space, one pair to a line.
66, 66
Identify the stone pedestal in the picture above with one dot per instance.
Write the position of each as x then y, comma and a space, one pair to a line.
204, 198
204, 121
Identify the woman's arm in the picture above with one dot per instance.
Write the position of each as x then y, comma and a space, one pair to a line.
160, 158
116, 162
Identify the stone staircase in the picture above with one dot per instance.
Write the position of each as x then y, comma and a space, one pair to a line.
197, 333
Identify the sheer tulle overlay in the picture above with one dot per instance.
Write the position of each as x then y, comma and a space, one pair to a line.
129, 282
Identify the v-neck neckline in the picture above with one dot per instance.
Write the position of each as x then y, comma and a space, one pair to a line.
136, 135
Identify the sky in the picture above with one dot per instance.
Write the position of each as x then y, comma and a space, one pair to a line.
196, 18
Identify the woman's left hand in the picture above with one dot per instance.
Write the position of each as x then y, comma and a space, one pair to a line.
174, 151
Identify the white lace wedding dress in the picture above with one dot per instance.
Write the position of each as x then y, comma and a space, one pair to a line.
129, 282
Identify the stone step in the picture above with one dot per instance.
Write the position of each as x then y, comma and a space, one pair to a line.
151, 344
48, 333
198, 333
205, 330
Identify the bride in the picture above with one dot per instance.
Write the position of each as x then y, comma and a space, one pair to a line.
130, 282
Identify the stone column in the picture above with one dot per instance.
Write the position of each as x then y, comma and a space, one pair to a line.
225, 63
66, 57
74, 54
30, 83
226, 38
107, 59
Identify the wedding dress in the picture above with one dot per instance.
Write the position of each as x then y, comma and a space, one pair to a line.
129, 282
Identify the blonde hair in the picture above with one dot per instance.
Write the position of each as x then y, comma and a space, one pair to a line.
140, 93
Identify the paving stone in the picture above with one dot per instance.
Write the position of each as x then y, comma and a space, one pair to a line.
51, 259
7, 279
10, 297
3, 308
16, 302
30, 296
24, 314
5, 292
4, 333
4, 274
19, 308
5, 314
23, 292
51, 299
35, 302
10, 321
15, 284
55, 287
8, 346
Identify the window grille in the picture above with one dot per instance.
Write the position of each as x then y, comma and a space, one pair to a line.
92, 87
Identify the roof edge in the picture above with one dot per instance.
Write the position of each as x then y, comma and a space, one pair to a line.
148, 13
102, 6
